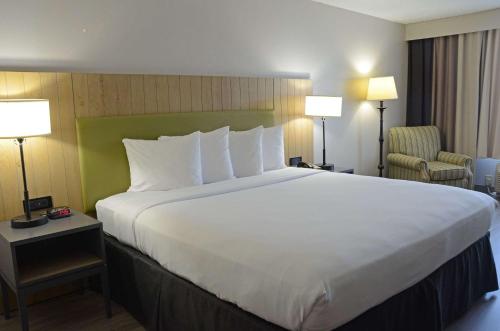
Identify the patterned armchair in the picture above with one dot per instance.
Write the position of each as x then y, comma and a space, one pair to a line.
415, 154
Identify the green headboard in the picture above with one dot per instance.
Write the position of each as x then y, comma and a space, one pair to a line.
103, 161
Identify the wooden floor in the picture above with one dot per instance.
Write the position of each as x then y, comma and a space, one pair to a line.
74, 312
86, 311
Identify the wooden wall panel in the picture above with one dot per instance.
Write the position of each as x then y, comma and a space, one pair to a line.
68, 135
283, 84
235, 93
226, 93
206, 94
9, 184
150, 97
81, 95
57, 166
162, 94
244, 93
185, 90
196, 98
52, 161
138, 102
174, 93
253, 94
216, 93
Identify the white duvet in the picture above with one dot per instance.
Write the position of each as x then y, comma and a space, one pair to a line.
303, 249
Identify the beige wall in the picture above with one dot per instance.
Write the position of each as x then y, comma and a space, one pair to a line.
486, 20
259, 38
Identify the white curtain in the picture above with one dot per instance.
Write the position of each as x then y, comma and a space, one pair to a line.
444, 88
488, 140
468, 94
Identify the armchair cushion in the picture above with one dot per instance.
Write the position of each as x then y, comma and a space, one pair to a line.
445, 171
454, 158
405, 161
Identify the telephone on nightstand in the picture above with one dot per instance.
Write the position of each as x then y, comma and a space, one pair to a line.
303, 164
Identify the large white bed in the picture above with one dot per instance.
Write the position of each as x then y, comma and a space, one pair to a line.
303, 249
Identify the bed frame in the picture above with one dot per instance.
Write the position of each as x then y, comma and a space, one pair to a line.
161, 300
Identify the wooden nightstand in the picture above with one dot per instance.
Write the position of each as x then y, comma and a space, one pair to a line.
294, 161
59, 252
337, 169
343, 170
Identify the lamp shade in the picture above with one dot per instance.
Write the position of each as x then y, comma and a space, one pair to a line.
20, 118
382, 88
323, 106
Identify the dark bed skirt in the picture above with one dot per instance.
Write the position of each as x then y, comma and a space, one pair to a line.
162, 301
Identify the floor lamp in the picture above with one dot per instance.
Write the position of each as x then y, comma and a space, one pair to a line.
20, 119
381, 89
323, 107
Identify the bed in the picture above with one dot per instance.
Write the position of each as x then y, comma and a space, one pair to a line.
293, 249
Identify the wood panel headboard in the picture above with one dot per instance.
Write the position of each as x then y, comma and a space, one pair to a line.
53, 162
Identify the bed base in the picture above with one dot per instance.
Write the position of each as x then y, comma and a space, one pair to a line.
160, 300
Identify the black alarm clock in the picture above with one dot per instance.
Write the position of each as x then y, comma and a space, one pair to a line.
59, 212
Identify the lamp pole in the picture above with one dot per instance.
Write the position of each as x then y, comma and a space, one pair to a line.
324, 148
28, 220
381, 108
27, 207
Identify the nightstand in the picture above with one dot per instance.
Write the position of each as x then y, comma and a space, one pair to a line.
332, 168
343, 170
294, 161
61, 251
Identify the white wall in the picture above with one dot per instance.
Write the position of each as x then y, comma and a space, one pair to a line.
486, 20
296, 38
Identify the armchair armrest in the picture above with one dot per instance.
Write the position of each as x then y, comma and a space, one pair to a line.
405, 161
454, 158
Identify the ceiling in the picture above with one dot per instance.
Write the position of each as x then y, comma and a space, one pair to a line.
411, 11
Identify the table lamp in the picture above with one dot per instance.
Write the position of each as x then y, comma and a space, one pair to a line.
323, 107
21, 119
380, 89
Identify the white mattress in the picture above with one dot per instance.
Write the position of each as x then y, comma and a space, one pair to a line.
303, 249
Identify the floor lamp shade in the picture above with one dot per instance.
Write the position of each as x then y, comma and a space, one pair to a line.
322, 106
24, 118
380, 89
20, 119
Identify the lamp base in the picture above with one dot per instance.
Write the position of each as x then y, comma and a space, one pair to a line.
21, 222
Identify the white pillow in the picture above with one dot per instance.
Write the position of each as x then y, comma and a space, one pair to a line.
273, 148
246, 152
161, 165
215, 158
